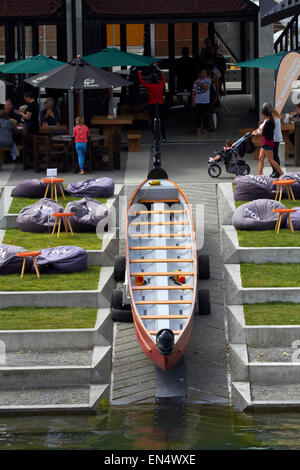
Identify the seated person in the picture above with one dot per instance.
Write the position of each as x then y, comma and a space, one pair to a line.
229, 144
11, 112
49, 115
7, 128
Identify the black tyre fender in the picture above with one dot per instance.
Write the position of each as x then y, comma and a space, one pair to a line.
119, 268
116, 299
124, 316
203, 266
203, 302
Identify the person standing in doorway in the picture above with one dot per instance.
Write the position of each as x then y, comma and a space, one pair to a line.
31, 115
201, 100
80, 134
155, 91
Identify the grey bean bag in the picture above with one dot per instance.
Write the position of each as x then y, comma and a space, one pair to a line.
295, 187
295, 216
29, 188
258, 215
62, 259
87, 214
250, 187
37, 217
92, 187
9, 262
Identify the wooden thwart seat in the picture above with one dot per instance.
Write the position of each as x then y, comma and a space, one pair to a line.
160, 235
172, 273
162, 302
160, 223
163, 317
163, 288
175, 211
181, 247
153, 201
165, 260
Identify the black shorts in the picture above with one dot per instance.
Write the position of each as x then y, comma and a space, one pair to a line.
267, 147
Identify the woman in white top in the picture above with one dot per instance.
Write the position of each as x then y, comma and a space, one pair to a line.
201, 100
277, 136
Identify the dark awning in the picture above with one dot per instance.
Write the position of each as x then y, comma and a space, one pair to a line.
27, 9
170, 10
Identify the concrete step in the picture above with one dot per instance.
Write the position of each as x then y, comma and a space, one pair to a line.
63, 357
270, 354
265, 396
30, 375
53, 399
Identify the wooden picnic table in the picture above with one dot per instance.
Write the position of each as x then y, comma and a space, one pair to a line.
111, 125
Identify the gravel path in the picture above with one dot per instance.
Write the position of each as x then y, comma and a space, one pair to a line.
49, 358
281, 354
49, 396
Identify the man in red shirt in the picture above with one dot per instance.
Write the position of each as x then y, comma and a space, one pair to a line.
155, 91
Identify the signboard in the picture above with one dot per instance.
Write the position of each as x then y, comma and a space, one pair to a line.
275, 10
287, 74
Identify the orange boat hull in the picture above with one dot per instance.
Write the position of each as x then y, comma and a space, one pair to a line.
152, 351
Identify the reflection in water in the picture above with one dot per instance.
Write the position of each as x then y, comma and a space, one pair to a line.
163, 426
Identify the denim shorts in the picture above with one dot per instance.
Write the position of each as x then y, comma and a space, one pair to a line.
267, 147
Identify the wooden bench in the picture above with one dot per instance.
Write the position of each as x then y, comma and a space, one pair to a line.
134, 141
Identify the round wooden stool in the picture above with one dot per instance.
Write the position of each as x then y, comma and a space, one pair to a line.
28, 254
284, 211
279, 186
62, 216
54, 182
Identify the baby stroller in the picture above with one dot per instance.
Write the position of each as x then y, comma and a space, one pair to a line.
230, 158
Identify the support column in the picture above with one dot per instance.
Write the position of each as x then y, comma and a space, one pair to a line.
35, 39
70, 35
195, 40
211, 32
171, 51
123, 37
266, 77
9, 43
79, 44
147, 39
61, 41
243, 54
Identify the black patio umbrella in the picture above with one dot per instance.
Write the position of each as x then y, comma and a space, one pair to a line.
77, 74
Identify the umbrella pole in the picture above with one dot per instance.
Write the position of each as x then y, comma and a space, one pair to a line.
71, 110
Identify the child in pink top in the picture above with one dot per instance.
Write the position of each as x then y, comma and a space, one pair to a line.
81, 134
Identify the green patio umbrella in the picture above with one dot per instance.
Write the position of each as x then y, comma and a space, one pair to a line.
267, 62
111, 57
35, 64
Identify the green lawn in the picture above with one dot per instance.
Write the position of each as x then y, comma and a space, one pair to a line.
35, 318
272, 313
37, 241
86, 280
268, 238
270, 275
19, 202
